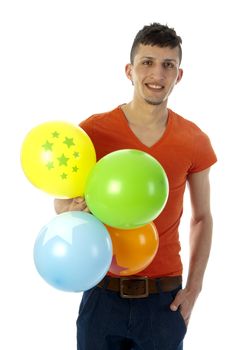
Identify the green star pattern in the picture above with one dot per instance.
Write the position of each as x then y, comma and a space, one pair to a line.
69, 142
50, 165
55, 134
66, 159
63, 160
75, 169
76, 154
63, 176
47, 146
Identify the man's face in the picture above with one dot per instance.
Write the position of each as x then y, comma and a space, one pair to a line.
154, 73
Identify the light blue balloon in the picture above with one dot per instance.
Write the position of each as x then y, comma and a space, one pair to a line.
73, 252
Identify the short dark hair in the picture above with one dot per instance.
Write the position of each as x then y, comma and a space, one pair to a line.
156, 34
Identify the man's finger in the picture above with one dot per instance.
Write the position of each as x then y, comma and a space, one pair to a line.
176, 302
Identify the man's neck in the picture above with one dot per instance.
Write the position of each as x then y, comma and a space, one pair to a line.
145, 115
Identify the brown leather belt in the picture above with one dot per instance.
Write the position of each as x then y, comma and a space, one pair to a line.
140, 287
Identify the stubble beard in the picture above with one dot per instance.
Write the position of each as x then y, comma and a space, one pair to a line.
153, 102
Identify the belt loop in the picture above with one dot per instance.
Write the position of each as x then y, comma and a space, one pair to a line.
106, 282
158, 285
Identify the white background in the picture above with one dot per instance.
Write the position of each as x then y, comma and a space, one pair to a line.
64, 60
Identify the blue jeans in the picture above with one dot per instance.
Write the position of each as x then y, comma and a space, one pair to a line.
108, 322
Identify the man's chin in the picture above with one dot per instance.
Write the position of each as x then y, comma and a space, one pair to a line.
153, 102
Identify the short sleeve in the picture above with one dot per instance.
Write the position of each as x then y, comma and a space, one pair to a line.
204, 155
87, 126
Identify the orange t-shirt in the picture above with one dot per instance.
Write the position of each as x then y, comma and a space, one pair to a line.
183, 149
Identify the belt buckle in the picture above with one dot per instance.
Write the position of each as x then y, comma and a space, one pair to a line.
134, 296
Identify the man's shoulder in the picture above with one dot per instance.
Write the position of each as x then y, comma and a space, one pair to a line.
184, 124
101, 117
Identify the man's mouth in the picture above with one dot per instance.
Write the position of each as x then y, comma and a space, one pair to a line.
155, 87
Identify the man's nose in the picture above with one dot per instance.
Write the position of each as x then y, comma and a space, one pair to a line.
157, 72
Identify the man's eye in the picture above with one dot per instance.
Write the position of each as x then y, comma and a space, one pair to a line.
168, 65
147, 63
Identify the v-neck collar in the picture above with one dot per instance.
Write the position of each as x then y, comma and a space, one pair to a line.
136, 139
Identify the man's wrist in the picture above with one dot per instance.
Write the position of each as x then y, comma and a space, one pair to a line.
194, 287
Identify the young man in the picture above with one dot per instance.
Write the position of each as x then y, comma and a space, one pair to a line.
152, 311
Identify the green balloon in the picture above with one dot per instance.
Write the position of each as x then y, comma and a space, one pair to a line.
127, 189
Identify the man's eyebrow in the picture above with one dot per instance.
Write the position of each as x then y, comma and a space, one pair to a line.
148, 57
170, 59
154, 58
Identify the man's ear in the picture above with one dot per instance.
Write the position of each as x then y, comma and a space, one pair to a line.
180, 75
128, 71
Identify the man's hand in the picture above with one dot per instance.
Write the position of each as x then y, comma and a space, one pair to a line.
71, 204
184, 301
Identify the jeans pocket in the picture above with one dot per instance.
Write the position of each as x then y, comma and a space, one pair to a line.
172, 328
182, 320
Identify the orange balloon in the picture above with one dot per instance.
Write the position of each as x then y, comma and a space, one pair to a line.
133, 250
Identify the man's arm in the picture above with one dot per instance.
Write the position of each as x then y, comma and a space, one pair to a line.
200, 242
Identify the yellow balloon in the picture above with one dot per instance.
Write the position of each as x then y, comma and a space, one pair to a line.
57, 157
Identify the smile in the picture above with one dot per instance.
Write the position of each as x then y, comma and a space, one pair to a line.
155, 87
